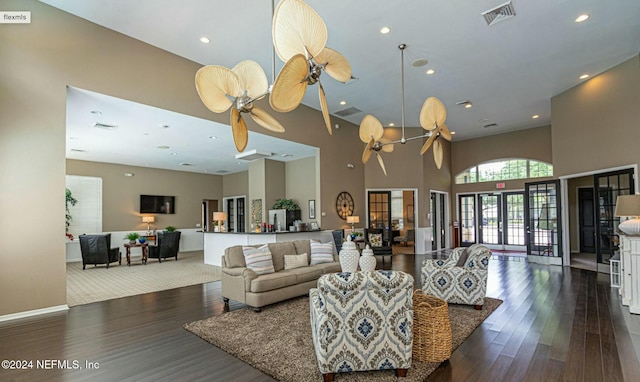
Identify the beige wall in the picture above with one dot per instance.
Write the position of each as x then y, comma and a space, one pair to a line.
236, 184
596, 125
275, 183
121, 194
301, 185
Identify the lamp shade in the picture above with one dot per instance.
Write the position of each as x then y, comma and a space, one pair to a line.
148, 219
353, 219
628, 205
217, 216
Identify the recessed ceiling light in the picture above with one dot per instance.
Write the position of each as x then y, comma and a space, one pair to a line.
128, 174
468, 106
238, 163
385, 30
287, 155
392, 124
213, 137
204, 40
582, 17
174, 153
343, 102
163, 147
186, 164
147, 134
430, 71
419, 62
453, 133
466, 103
582, 77
165, 126
96, 112
73, 138
535, 116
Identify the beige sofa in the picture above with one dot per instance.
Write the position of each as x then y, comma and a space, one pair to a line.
242, 284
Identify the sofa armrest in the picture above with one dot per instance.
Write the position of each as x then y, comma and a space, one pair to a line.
240, 273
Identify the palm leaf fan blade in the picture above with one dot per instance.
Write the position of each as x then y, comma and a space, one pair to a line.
438, 154
325, 108
387, 146
263, 119
370, 127
252, 78
289, 87
366, 154
445, 132
297, 26
381, 162
432, 114
429, 142
335, 64
239, 130
214, 83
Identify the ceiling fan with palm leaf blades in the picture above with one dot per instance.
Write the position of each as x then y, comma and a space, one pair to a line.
432, 118
299, 39
220, 88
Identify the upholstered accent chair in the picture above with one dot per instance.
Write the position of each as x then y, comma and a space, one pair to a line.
461, 279
378, 240
168, 244
362, 321
410, 235
96, 249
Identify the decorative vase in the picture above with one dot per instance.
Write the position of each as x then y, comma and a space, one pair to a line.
349, 256
142, 240
367, 260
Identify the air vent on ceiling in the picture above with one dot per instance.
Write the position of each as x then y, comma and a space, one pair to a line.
222, 171
347, 112
490, 125
252, 155
104, 126
499, 13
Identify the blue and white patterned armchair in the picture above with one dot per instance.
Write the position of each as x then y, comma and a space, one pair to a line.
362, 321
458, 283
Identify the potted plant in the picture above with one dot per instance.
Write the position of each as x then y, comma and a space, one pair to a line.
132, 237
287, 204
70, 200
170, 229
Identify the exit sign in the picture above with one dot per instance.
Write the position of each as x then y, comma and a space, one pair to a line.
499, 185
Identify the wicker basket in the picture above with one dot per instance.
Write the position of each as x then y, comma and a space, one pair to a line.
431, 328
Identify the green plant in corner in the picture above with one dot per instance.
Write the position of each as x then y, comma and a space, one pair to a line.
170, 229
70, 200
287, 204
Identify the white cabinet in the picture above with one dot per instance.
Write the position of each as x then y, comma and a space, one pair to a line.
630, 263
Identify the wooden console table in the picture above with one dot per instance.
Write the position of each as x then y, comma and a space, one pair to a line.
144, 247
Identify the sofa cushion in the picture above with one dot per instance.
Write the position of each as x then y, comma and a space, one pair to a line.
234, 257
271, 281
296, 261
333, 267
305, 274
375, 239
278, 250
321, 252
258, 259
303, 246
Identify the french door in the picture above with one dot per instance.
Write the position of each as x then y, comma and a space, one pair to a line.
543, 222
438, 221
493, 219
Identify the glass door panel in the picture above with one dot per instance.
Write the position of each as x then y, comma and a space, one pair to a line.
489, 223
513, 221
543, 219
379, 209
467, 219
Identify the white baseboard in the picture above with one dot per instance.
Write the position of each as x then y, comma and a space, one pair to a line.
36, 312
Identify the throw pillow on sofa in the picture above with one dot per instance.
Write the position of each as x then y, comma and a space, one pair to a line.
375, 239
258, 259
295, 261
321, 252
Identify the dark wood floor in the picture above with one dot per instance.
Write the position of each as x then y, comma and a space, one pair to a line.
555, 324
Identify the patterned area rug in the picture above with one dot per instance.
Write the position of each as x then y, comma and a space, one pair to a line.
96, 283
278, 340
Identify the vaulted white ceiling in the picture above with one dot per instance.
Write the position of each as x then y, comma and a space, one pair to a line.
509, 70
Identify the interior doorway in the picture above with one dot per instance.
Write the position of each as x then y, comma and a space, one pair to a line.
394, 211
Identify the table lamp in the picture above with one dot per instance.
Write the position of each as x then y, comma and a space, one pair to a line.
353, 220
627, 206
219, 217
148, 220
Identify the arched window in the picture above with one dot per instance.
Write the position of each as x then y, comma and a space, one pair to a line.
505, 169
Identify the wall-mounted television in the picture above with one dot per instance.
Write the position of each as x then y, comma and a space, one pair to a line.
157, 204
